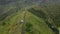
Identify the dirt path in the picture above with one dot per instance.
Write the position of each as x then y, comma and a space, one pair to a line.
24, 18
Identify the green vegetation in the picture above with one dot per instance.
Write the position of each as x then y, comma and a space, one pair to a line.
39, 25
28, 27
41, 17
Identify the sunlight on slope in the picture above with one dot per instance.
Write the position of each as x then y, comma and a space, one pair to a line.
38, 25
12, 24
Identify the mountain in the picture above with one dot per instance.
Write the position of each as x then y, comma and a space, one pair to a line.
41, 17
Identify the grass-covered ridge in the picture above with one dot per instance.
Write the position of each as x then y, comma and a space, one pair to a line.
41, 17
37, 25
38, 21
46, 16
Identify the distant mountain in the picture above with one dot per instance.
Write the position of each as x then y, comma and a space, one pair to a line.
25, 3
3, 2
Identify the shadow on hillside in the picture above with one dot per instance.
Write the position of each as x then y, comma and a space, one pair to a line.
52, 27
3, 16
37, 13
41, 14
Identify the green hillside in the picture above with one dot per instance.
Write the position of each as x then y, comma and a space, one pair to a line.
39, 16
38, 21
36, 25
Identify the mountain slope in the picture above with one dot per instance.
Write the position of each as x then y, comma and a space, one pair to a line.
36, 25
44, 19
